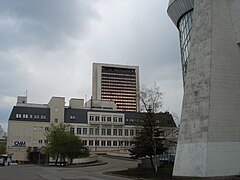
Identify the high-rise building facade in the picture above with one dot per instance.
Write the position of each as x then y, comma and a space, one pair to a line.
118, 83
209, 136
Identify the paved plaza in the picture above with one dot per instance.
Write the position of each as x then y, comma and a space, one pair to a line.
35, 172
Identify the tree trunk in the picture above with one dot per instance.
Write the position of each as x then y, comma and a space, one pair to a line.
151, 161
56, 160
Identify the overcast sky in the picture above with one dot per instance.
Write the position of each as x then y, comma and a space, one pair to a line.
47, 47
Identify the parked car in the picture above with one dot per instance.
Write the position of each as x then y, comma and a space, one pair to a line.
2, 161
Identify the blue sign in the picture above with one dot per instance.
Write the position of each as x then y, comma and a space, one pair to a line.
19, 144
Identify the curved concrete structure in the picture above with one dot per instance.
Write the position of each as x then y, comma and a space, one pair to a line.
209, 136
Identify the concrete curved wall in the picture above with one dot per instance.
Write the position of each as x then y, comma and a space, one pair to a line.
176, 8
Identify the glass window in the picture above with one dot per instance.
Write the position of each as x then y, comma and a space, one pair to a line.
90, 142
131, 132
109, 143
126, 132
103, 118
96, 118
104, 132
96, 142
115, 132
84, 131
103, 143
46, 128
97, 131
109, 119
185, 27
79, 130
120, 119
72, 117
120, 132
126, 143
91, 118
114, 119
114, 143
91, 130
40, 141
109, 132
85, 142
72, 130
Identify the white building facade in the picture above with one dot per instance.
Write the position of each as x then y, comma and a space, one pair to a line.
100, 130
209, 136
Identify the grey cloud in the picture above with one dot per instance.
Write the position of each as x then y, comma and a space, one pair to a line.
44, 23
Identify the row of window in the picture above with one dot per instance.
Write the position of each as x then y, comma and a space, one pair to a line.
118, 83
40, 128
30, 116
103, 131
116, 74
107, 143
120, 79
106, 118
40, 141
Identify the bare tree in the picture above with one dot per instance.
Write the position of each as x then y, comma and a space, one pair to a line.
149, 141
151, 98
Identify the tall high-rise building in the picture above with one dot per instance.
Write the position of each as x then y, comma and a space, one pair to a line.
118, 83
209, 136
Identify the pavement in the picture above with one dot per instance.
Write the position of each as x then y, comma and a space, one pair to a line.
95, 171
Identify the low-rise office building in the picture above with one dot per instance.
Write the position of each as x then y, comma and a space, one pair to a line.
102, 129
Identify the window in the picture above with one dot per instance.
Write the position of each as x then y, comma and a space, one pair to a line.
40, 141
45, 141
36, 116
120, 119
109, 132
91, 131
96, 143
114, 119
56, 120
46, 128
126, 132
115, 132
103, 118
18, 116
96, 118
131, 132
114, 143
43, 116
72, 130
31, 116
85, 142
126, 143
104, 132
96, 131
103, 143
84, 131
120, 143
79, 131
72, 117
25, 116
138, 132
109, 119
40, 128
90, 142
109, 143
91, 118
120, 132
